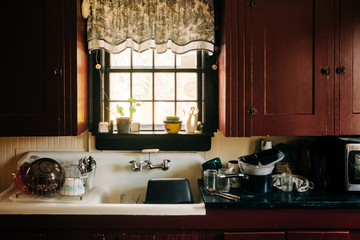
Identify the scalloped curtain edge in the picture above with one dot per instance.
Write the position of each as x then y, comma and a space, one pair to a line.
150, 44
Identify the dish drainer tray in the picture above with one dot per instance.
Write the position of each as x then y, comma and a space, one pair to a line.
51, 198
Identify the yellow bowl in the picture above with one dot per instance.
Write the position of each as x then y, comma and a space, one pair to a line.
172, 127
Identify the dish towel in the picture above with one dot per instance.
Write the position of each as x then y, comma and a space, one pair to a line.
301, 184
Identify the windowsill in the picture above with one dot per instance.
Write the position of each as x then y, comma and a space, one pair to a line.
153, 140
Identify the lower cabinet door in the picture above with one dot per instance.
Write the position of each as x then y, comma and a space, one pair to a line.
317, 235
254, 236
161, 235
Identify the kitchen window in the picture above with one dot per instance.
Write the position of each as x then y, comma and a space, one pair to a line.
165, 84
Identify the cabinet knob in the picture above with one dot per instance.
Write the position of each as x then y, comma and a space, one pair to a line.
252, 111
252, 3
57, 72
325, 71
340, 70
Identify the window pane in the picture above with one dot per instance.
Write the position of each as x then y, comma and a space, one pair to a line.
119, 86
186, 86
143, 115
166, 59
143, 59
164, 86
187, 60
163, 109
121, 59
183, 108
113, 109
142, 86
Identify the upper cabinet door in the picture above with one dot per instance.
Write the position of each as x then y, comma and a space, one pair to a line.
288, 75
44, 66
348, 68
31, 40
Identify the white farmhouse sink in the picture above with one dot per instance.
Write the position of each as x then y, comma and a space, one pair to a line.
113, 178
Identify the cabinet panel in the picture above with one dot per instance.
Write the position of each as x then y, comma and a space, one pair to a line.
291, 43
354, 235
254, 236
29, 96
317, 235
44, 62
287, 63
349, 58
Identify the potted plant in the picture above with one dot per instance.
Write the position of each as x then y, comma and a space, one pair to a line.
172, 124
123, 123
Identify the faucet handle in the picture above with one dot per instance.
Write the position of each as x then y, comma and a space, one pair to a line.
149, 164
165, 166
134, 166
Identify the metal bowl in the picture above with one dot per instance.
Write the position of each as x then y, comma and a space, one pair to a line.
44, 176
259, 170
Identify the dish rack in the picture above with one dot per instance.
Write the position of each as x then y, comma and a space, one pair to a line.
70, 188
88, 180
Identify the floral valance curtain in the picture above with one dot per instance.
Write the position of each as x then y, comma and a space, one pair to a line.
179, 25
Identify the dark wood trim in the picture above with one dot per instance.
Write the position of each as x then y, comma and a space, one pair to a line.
76, 70
232, 70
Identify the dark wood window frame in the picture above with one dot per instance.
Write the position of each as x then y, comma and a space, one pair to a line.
159, 140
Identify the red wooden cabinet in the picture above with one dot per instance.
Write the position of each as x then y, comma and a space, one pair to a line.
254, 236
313, 235
292, 235
104, 235
44, 83
290, 44
347, 63
226, 224
290, 68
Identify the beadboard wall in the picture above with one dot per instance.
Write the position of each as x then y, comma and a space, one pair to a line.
13, 148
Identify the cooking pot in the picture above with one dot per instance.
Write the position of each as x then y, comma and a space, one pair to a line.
252, 183
256, 169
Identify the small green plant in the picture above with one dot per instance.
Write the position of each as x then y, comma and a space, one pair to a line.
172, 119
132, 108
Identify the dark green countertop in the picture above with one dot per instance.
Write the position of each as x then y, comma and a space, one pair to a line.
279, 199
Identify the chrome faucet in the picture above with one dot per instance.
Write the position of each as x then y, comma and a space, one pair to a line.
164, 165
149, 165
